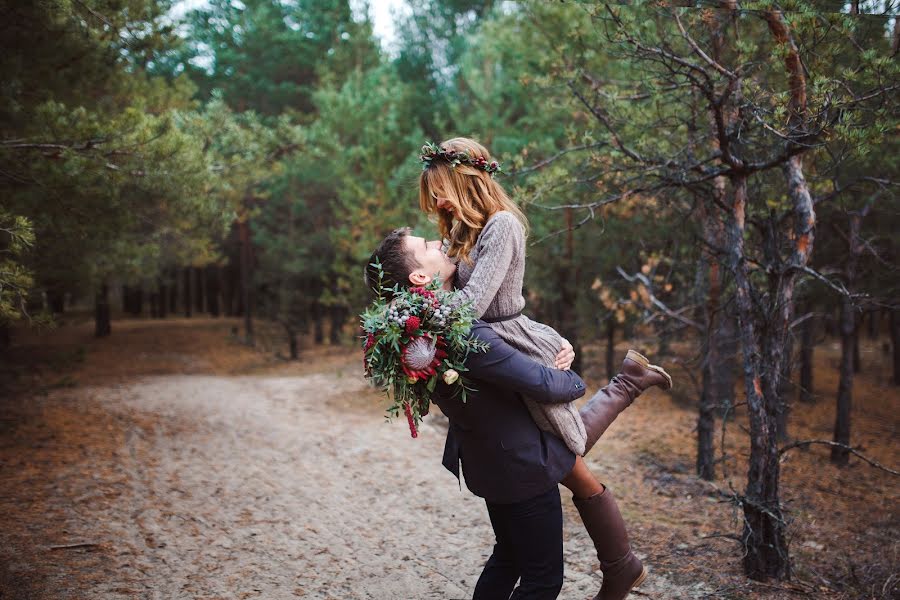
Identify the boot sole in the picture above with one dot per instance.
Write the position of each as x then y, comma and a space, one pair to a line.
642, 360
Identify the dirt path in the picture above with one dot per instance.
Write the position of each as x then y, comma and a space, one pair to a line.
247, 487
145, 469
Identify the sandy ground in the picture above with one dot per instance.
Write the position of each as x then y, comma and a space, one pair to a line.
288, 483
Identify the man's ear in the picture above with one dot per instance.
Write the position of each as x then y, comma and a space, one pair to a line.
419, 278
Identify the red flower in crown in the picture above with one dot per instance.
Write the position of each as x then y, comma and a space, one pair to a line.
370, 341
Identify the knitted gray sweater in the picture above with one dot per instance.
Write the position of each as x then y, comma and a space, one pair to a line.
493, 284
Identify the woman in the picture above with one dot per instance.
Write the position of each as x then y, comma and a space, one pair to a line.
485, 232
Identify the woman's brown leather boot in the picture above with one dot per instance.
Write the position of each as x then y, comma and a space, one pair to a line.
637, 375
622, 570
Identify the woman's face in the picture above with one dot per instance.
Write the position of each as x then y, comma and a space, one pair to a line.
442, 202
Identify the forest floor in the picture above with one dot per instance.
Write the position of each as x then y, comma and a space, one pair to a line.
170, 461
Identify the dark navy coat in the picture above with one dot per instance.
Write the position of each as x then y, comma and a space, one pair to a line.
505, 457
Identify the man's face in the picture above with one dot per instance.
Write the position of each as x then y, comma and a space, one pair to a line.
433, 263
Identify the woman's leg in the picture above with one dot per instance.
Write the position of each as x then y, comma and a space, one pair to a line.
601, 410
581, 482
602, 520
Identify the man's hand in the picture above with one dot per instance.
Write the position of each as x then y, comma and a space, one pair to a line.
566, 356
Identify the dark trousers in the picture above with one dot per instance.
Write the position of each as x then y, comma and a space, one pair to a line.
529, 547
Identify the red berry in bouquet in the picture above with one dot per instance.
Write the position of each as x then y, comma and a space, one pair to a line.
412, 323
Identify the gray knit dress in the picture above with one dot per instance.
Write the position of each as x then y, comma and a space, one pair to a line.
493, 284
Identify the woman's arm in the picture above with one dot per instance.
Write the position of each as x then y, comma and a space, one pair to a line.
497, 246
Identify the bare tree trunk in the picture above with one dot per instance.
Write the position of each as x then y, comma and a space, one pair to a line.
784, 390
173, 290
138, 300
766, 552
874, 315
840, 456
610, 346
154, 305
568, 287
246, 280
102, 326
849, 344
338, 316
895, 340
713, 235
857, 364
806, 359
56, 301
200, 306
212, 289
187, 291
318, 322
222, 285
162, 298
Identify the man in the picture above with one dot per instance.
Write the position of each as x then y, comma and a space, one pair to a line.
507, 459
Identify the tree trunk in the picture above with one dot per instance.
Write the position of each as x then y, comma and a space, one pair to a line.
318, 323
806, 360
162, 299
874, 316
706, 423
610, 346
292, 344
338, 316
766, 552
840, 456
102, 326
246, 280
5, 338
568, 287
784, 390
895, 340
200, 305
857, 364
849, 344
154, 305
212, 289
709, 284
56, 301
222, 280
173, 290
139, 300
187, 291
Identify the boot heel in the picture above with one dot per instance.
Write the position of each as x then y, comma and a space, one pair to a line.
640, 578
637, 357
662, 372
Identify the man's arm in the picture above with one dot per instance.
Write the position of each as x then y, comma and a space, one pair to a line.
506, 367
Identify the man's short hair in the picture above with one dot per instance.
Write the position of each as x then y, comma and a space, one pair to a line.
397, 262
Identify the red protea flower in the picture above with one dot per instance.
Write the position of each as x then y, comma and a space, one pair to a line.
370, 341
410, 420
412, 323
421, 357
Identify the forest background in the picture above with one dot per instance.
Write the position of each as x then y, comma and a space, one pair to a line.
717, 172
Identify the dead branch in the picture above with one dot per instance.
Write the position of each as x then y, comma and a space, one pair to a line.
850, 449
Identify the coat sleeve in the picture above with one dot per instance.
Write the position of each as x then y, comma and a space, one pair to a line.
504, 366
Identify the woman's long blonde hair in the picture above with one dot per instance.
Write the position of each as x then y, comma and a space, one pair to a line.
472, 192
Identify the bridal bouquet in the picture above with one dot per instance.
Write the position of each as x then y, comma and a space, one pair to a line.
413, 338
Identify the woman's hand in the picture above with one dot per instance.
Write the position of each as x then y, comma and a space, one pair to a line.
566, 356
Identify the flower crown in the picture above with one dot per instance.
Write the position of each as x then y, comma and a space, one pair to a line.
432, 152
